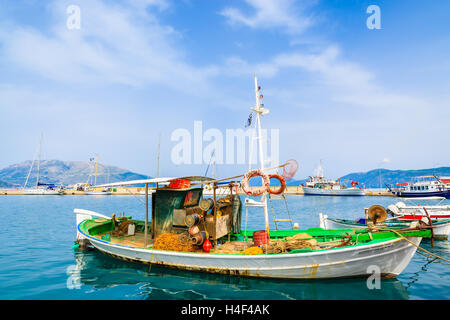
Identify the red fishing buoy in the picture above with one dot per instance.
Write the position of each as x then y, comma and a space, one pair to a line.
207, 245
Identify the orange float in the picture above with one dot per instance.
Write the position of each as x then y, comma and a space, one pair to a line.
281, 189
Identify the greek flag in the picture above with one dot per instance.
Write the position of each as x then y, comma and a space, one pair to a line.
249, 120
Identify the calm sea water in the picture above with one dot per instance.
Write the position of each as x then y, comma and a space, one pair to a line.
37, 260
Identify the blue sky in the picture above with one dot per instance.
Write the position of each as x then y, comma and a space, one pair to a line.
135, 69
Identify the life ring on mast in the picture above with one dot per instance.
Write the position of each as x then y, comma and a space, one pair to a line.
281, 189
258, 191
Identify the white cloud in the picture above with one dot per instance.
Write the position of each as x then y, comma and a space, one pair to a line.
116, 44
284, 14
343, 81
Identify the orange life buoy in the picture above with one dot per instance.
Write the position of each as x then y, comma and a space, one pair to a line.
281, 189
258, 191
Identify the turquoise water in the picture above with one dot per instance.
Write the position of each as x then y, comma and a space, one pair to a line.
37, 260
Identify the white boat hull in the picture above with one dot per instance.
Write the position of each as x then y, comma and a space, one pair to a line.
42, 192
333, 192
389, 257
441, 231
94, 193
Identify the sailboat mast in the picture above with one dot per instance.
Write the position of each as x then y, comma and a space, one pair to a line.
39, 161
96, 167
259, 111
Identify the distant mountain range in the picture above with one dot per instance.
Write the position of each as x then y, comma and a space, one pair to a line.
372, 178
63, 173
72, 172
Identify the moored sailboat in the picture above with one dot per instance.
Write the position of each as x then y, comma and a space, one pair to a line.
41, 188
92, 190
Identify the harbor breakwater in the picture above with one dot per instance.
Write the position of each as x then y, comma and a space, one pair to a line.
290, 190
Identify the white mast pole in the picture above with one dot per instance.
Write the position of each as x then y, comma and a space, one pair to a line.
259, 111
96, 168
39, 161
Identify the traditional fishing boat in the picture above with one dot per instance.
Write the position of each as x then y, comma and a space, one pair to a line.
317, 185
189, 232
441, 227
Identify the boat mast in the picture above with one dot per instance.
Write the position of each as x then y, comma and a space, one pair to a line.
259, 110
96, 167
39, 161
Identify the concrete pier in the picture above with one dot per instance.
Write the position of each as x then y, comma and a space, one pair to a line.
141, 191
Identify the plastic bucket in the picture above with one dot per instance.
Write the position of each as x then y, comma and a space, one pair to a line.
260, 237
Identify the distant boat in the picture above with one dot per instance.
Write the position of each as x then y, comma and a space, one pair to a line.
416, 212
317, 185
90, 190
441, 228
41, 188
425, 186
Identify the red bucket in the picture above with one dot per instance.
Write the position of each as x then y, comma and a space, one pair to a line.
260, 237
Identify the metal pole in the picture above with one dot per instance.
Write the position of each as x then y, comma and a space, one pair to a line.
261, 153
96, 168
146, 216
39, 161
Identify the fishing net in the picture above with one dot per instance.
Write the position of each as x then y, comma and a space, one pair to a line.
175, 242
283, 246
290, 169
253, 251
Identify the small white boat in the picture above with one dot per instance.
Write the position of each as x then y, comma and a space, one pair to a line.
317, 185
92, 192
416, 212
441, 228
43, 191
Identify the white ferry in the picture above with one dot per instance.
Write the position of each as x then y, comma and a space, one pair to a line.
425, 186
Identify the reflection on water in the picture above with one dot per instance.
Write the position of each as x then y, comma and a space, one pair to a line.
99, 272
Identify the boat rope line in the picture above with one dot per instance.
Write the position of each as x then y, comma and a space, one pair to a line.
239, 176
135, 196
418, 247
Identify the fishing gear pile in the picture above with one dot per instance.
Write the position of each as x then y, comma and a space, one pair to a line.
175, 242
